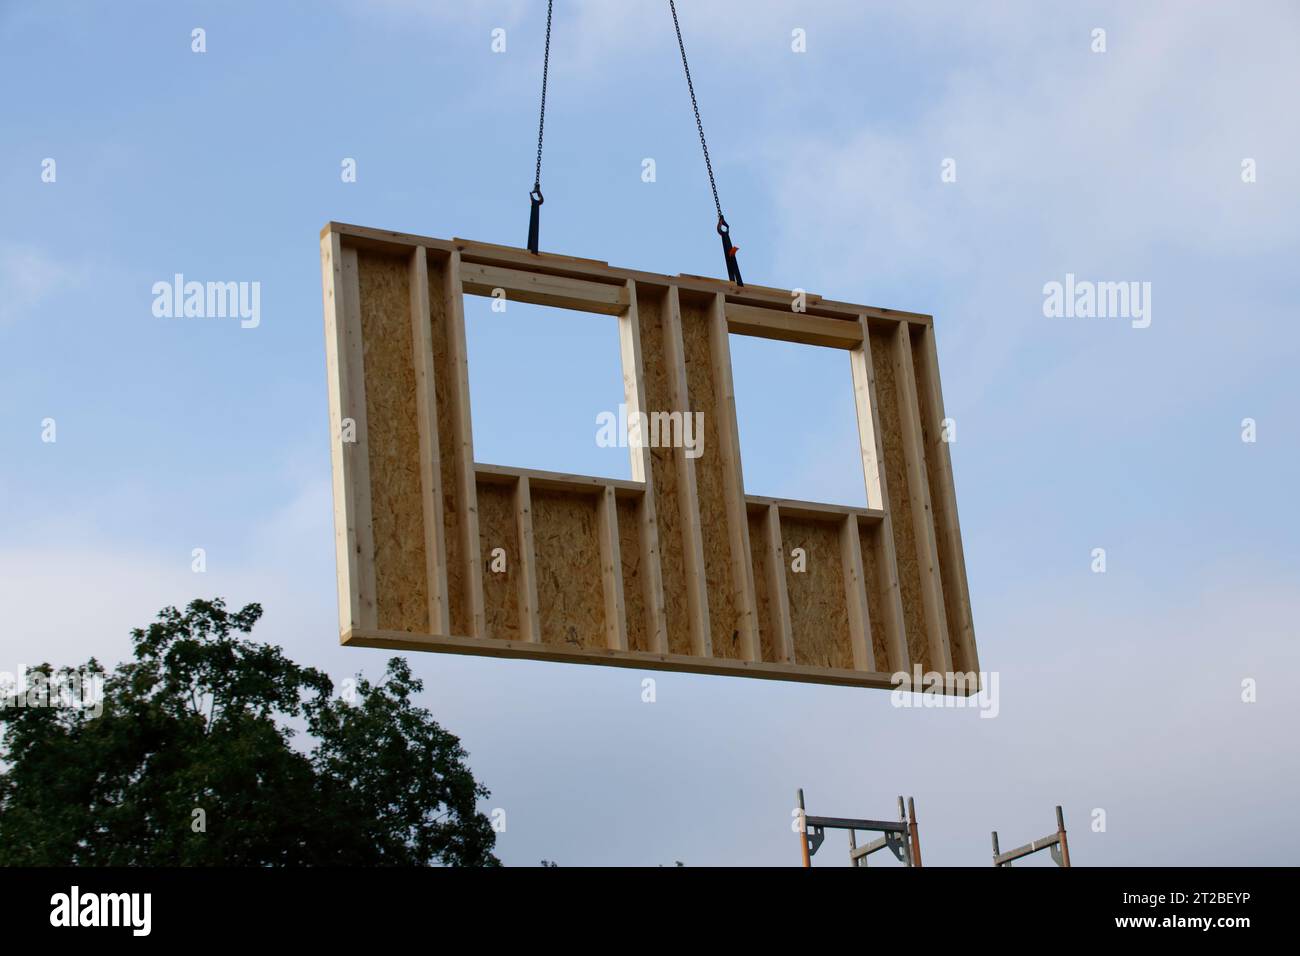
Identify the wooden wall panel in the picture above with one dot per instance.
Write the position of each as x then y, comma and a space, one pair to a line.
677, 569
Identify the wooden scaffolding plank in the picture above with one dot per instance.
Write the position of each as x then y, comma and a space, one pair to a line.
868, 408
430, 469
918, 488
855, 595
778, 591
611, 572
687, 495
530, 627
466, 486
629, 336
742, 569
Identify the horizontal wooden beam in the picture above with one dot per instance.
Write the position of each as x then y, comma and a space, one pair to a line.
787, 326
540, 289
557, 481
575, 267
570, 654
811, 510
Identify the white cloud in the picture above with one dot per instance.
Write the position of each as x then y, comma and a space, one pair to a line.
29, 277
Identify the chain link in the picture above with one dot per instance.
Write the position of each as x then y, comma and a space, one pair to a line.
696, 106
541, 122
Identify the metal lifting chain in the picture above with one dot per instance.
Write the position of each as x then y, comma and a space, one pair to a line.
724, 231
536, 195
728, 250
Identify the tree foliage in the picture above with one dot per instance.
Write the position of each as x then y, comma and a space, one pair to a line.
194, 760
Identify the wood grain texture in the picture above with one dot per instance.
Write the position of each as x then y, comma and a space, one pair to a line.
393, 444
435, 548
648, 601
894, 475
943, 498
570, 587
818, 609
918, 486
656, 391
498, 529
347, 458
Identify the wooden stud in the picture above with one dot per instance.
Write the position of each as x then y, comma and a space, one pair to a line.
697, 598
611, 572
949, 528
435, 550
530, 627
855, 593
466, 488
629, 336
557, 481
742, 569
918, 487
778, 592
343, 456
551, 264
358, 528
864, 390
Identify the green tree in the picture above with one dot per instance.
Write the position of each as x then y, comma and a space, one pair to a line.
192, 761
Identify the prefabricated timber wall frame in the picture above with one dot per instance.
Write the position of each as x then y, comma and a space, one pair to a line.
677, 569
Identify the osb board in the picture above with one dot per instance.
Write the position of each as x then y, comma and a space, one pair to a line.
762, 599
900, 506
710, 483
569, 590
873, 575
629, 547
444, 396
393, 443
663, 470
936, 471
819, 617
497, 529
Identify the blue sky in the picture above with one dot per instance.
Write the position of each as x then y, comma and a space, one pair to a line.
1118, 691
